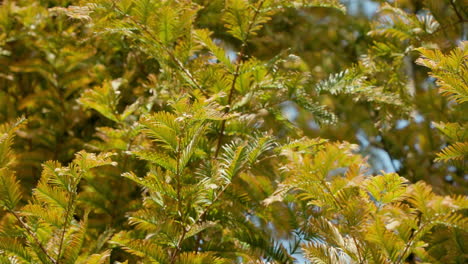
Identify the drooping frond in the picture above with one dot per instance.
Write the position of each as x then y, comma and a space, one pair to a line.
454, 131
7, 133
458, 151
14, 247
142, 248
10, 192
450, 71
354, 83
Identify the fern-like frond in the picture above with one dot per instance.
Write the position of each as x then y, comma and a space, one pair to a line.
458, 151
386, 188
396, 23
233, 160
190, 144
142, 248
87, 161
158, 158
450, 70
199, 258
144, 219
353, 82
7, 133
258, 241
388, 242
321, 114
454, 131
74, 242
102, 258
10, 190
156, 183
243, 19
258, 146
321, 253
13, 247
162, 127
103, 99
309, 4
50, 215
204, 38
420, 195
52, 196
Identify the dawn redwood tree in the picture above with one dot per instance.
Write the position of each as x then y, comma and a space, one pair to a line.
233, 131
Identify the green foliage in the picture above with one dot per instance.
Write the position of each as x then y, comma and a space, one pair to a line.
46, 230
449, 70
360, 218
238, 131
451, 73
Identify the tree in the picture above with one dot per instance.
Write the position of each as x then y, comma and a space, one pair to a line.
217, 132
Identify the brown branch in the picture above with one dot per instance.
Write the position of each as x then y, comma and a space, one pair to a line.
179, 244
31, 233
460, 17
409, 243
236, 75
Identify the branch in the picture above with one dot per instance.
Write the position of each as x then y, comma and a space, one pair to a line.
64, 228
460, 17
31, 233
179, 203
236, 75
409, 244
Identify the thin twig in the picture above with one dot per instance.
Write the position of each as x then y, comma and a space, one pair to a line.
178, 246
31, 233
460, 17
236, 75
65, 225
179, 203
408, 244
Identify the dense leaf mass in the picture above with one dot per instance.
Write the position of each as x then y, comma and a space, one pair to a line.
233, 131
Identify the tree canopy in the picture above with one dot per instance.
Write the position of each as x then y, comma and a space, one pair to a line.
233, 131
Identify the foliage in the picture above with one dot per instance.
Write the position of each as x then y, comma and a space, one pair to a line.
213, 131
451, 73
